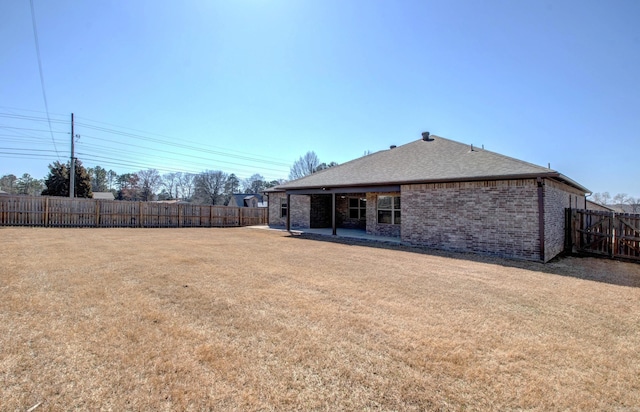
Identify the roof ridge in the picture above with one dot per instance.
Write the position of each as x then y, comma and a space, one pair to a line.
499, 154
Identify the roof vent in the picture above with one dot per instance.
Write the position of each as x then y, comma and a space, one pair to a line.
426, 137
392, 146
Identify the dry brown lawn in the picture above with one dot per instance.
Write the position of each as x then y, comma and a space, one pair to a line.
251, 319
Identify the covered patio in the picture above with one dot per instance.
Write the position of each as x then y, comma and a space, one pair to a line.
347, 233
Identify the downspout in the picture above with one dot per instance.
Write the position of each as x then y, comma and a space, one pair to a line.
540, 182
288, 212
268, 207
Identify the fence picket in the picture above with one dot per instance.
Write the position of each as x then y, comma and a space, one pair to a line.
66, 212
607, 234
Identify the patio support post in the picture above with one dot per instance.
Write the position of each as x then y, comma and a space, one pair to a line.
333, 213
288, 212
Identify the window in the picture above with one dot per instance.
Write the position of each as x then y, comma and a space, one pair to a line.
389, 210
284, 208
357, 208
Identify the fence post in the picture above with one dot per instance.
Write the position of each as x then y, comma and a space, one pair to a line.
240, 217
97, 213
140, 214
46, 212
612, 231
568, 229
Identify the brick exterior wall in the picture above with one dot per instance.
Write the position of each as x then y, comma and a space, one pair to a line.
275, 199
489, 217
342, 212
557, 197
375, 228
299, 209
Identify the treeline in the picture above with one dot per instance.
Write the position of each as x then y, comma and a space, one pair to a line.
628, 203
24, 185
213, 187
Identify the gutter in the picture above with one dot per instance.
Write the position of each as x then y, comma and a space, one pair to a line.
550, 175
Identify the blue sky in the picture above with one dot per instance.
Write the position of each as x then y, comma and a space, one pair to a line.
248, 86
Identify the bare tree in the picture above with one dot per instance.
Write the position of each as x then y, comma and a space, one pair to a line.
170, 183
149, 182
602, 198
634, 202
304, 166
209, 186
254, 184
186, 185
620, 198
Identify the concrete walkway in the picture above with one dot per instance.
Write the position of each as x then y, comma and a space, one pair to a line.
340, 232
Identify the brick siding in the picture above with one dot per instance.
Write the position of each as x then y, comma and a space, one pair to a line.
342, 212
489, 217
299, 209
381, 229
557, 197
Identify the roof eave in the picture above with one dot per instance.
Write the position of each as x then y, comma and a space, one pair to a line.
551, 175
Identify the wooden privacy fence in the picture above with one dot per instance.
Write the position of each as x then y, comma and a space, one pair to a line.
610, 234
65, 212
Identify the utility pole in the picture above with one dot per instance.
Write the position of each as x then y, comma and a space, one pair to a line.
72, 172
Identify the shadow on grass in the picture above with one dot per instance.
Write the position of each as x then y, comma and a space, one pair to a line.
586, 268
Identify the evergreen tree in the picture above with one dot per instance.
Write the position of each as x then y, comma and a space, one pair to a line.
57, 183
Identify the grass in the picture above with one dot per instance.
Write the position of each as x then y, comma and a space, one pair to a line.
249, 319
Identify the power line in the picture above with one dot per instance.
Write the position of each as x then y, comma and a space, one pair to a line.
190, 155
32, 111
44, 94
198, 148
180, 145
26, 150
169, 152
27, 155
172, 138
32, 130
31, 118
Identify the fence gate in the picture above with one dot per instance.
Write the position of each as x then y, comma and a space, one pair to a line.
610, 234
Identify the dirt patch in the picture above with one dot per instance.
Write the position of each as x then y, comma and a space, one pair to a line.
246, 319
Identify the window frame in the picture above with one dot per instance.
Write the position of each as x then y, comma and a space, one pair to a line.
394, 210
361, 208
284, 208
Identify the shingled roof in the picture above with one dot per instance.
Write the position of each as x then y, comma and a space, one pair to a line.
425, 161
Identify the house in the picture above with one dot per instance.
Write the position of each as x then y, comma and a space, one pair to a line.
246, 200
590, 205
437, 193
103, 195
633, 208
